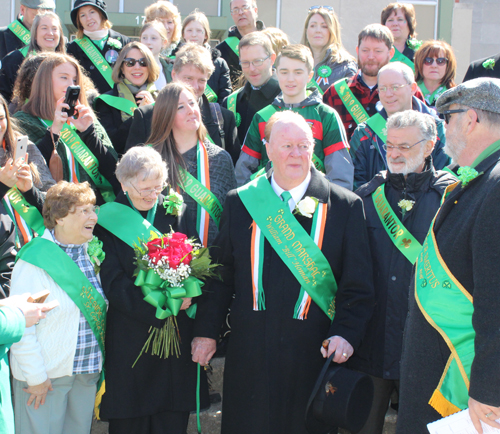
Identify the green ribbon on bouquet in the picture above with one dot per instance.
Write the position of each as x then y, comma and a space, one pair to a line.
165, 298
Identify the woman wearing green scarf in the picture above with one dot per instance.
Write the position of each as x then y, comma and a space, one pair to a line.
134, 74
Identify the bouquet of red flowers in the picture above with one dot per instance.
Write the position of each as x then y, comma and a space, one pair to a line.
169, 269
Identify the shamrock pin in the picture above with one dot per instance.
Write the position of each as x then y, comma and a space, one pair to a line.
489, 64
406, 242
466, 174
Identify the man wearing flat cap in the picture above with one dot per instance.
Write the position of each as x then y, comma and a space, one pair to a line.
17, 34
451, 354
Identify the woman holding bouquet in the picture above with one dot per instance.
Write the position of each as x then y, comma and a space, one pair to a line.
157, 394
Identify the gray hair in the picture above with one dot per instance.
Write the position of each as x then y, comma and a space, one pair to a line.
411, 118
400, 67
141, 161
290, 117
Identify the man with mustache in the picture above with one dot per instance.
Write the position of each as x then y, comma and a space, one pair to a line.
396, 87
400, 204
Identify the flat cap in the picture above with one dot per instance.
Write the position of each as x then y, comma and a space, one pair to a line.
39, 4
481, 93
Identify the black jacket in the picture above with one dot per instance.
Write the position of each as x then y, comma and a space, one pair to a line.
476, 69
143, 116
468, 239
380, 352
219, 81
8, 74
227, 53
100, 83
249, 101
8, 41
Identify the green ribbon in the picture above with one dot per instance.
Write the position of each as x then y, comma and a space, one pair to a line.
231, 105
431, 97
233, 43
210, 94
97, 59
400, 57
351, 103
29, 213
165, 298
119, 103
20, 31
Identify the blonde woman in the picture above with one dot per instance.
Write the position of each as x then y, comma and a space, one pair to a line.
169, 15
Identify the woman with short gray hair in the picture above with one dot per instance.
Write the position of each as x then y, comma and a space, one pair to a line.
157, 395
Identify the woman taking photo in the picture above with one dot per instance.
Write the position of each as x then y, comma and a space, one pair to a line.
134, 74
196, 29
57, 364
96, 46
169, 15
178, 134
155, 37
46, 35
435, 69
322, 36
157, 394
76, 152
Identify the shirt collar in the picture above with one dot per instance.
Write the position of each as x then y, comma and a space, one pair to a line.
296, 192
361, 81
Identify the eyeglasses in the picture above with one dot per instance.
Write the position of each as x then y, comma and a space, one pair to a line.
439, 60
237, 11
146, 193
130, 62
88, 211
402, 149
257, 62
394, 88
328, 8
447, 114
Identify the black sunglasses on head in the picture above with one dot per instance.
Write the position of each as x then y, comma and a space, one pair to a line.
439, 60
130, 62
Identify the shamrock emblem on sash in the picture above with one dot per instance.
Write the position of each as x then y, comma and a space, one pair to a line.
424, 283
406, 243
447, 284
25, 208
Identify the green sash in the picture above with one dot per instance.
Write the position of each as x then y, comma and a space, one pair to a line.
399, 235
233, 43
231, 105
316, 85
291, 242
448, 308
400, 57
86, 159
431, 97
29, 213
20, 31
351, 103
377, 124
126, 224
210, 94
202, 195
48, 256
24, 51
121, 104
97, 59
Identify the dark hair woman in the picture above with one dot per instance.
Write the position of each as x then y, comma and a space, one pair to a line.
96, 46
134, 74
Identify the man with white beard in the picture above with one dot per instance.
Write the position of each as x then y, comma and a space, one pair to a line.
400, 204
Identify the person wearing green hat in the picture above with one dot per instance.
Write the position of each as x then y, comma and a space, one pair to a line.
17, 34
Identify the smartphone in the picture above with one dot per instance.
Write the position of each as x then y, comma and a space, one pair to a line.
21, 148
72, 94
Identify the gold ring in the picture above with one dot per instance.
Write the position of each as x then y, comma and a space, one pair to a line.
345, 355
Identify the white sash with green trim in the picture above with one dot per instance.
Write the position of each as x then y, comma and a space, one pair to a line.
97, 59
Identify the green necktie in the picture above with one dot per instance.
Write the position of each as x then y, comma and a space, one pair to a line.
286, 196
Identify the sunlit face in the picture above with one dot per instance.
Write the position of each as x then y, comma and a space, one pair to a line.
47, 35
136, 74
63, 76
455, 135
169, 24
293, 77
411, 160
194, 32
188, 117
256, 75
318, 34
434, 71
78, 226
143, 193
90, 18
152, 39
244, 18
190, 74
398, 25
29, 15
3, 123
372, 55
398, 100
290, 149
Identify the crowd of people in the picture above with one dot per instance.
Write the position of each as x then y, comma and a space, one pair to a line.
347, 202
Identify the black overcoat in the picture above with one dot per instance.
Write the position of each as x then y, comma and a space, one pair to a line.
477, 70
9, 41
154, 385
273, 360
8, 73
468, 239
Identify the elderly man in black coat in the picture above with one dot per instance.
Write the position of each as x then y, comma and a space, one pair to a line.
279, 320
452, 338
410, 191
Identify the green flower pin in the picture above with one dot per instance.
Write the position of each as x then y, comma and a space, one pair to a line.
324, 71
466, 174
414, 44
96, 254
173, 203
115, 43
489, 64
238, 119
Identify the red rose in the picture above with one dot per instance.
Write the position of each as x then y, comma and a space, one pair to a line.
154, 245
155, 257
179, 236
187, 259
174, 262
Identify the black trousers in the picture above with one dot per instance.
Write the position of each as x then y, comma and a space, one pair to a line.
169, 422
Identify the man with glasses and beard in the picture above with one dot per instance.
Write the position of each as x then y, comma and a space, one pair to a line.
452, 335
397, 88
400, 204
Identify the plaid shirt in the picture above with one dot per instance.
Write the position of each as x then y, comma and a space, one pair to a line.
88, 357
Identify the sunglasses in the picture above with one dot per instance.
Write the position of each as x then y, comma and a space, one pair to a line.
447, 114
130, 62
328, 8
439, 60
